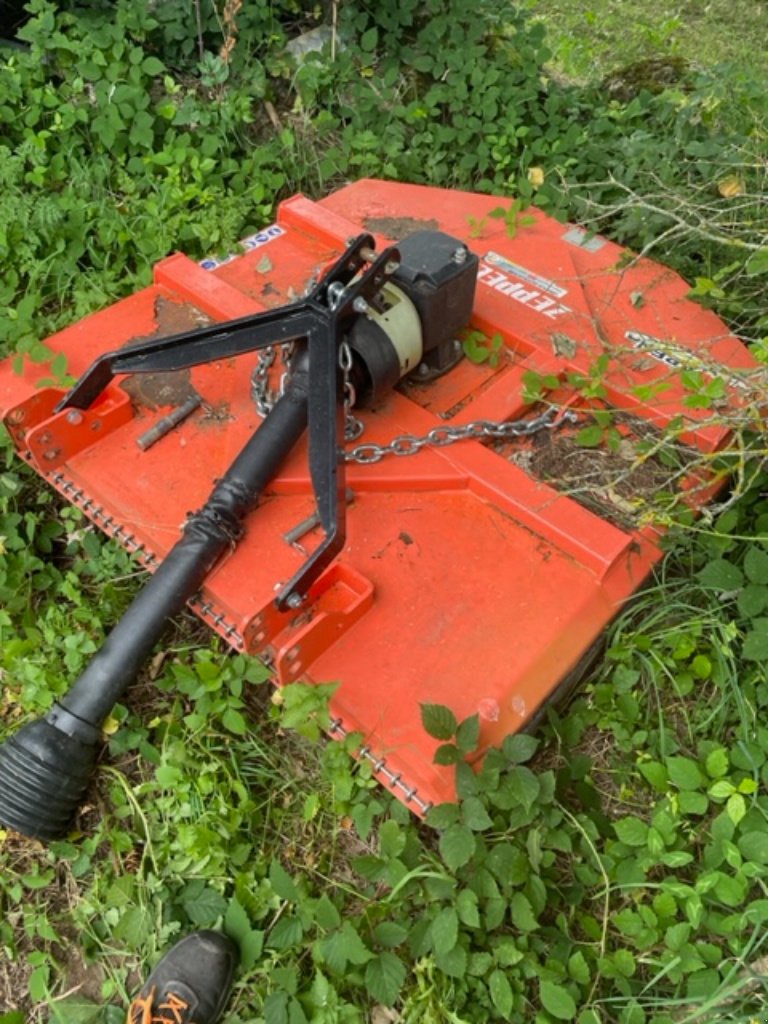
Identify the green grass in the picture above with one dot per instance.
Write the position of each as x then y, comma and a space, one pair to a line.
611, 870
592, 39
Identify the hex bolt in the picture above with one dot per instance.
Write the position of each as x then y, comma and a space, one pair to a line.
75, 417
295, 601
17, 416
52, 454
460, 254
360, 305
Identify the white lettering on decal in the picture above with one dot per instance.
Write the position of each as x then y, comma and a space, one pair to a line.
521, 293
652, 346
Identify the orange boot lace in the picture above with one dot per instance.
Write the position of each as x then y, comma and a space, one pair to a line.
143, 1010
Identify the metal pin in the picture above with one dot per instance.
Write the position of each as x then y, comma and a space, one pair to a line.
294, 535
167, 423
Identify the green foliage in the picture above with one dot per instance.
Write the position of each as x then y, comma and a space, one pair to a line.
611, 869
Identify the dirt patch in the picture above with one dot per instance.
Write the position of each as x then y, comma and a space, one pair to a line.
618, 485
398, 228
152, 390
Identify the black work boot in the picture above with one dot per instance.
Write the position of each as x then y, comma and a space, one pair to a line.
191, 983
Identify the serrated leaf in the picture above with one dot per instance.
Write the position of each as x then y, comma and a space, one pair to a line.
444, 930
677, 935
756, 564
502, 996
717, 763
754, 847
755, 646
343, 947
368, 40
631, 831
519, 747
524, 785
721, 789
152, 66
521, 911
447, 753
236, 922
466, 781
757, 263
281, 882
443, 815
287, 932
75, 1010
390, 934
557, 1000
730, 891
752, 600
276, 1008
392, 839
454, 963
251, 948
134, 926
457, 844
578, 968
475, 815
722, 575
384, 977
656, 774
692, 802
438, 721
326, 913
468, 734
590, 437
684, 773
736, 807
466, 908
234, 721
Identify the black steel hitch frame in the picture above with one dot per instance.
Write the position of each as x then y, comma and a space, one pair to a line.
45, 767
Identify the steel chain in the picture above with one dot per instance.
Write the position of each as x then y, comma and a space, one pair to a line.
369, 453
262, 397
439, 437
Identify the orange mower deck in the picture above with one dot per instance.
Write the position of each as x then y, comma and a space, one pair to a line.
470, 577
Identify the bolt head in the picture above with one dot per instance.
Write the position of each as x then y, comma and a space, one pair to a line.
360, 305
460, 254
294, 601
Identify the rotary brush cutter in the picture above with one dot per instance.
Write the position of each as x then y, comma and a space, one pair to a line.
419, 450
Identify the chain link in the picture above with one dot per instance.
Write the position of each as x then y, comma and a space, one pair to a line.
478, 430
263, 398
405, 444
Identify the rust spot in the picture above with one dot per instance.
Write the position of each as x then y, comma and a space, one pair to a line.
152, 390
398, 228
214, 414
406, 538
